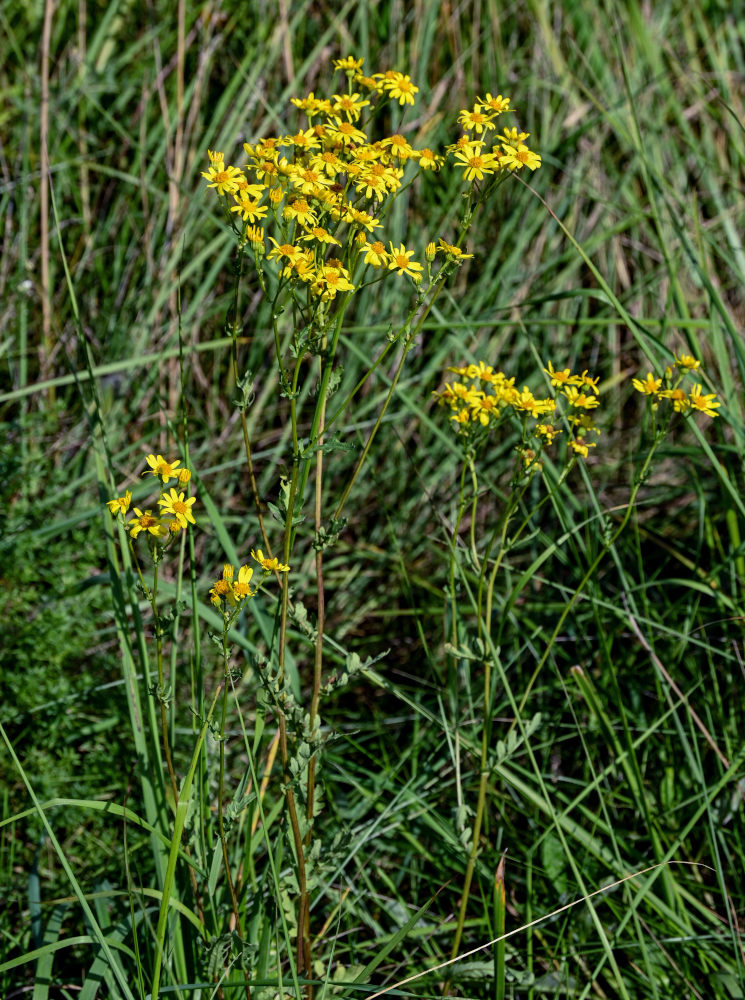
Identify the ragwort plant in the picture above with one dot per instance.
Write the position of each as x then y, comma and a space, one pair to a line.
484, 403
306, 212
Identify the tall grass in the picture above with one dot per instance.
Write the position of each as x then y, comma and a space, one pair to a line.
614, 756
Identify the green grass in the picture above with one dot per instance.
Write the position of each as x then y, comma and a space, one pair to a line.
619, 762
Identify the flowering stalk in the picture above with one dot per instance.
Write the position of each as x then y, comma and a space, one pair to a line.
487, 399
324, 191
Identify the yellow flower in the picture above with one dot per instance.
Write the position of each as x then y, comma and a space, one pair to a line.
475, 121
349, 104
303, 140
687, 362
146, 522
255, 236
476, 163
222, 589
376, 254
363, 219
159, 467
331, 280
311, 105
704, 403
580, 400
429, 160
269, 565
284, 250
346, 133
518, 156
398, 147
176, 506
120, 505
241, 589
349, 64
496, 104
559, 378
453, 251
400, 88
250, 210
401, 261
547, 431
580, 447
320, 234
649, 386
225, 179
299, 209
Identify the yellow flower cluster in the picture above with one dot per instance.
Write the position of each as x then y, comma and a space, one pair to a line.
509, 153
668, 387
175, 507
486, 398
327, 185
229, 592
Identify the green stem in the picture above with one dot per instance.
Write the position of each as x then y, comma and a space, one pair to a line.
221, 784
178, 829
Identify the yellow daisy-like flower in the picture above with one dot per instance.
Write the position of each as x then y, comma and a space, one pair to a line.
225, 179
679, 399
518, 156
331, 280
349, 64
363, 219
401, 261
704, 403
398, 147
284, 250
328, 162
241, 588
648, 386
312, 105
453, 251
120, 505
560, 378
512, 136
350, 105
269, 565
321, 235
376, 254
300, 209
222, 589
475, 121
159, 467
146, 522
250, 210
476, 163
400, 88
687, 362
484, 408
580, 400
178, 506
345, 133
429, 160
303, 140
496, 104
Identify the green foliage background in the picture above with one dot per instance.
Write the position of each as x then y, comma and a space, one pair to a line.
638, 113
